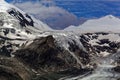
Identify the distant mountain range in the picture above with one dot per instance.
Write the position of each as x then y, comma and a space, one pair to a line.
107, 23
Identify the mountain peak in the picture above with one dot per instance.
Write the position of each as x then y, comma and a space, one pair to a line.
18, 23
109, 17
104, 24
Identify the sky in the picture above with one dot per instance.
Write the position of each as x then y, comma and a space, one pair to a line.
62, 13
85, 8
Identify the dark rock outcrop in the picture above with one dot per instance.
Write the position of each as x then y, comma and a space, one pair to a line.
12, 69
6, 47
23, 21
117, 69
44, 54
95, 45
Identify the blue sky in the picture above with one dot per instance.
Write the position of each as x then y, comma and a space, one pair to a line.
90, 9
73, 12
87, 8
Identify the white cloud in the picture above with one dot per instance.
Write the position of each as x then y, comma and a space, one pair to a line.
54, 16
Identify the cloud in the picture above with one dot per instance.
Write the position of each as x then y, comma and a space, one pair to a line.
47, 12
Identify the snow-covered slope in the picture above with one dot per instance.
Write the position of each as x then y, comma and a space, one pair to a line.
14, 23
107, 23
16, 27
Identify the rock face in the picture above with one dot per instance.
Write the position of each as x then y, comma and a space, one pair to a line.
101, 42
45, 54
57, 53
21, 18
12, 69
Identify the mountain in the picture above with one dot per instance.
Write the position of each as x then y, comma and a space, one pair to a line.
68, 55
18, 24
16, 27
107, 23
50, 14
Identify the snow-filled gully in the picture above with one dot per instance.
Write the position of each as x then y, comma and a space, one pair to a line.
75, 57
